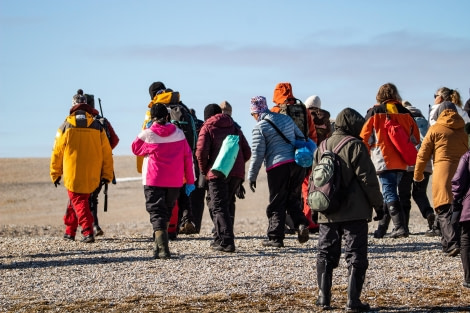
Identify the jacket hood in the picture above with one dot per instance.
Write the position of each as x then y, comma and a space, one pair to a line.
163, 130
220, 120
451, 119
282, 92
349, 121
85, 107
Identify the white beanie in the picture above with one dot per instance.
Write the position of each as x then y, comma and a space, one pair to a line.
313, 102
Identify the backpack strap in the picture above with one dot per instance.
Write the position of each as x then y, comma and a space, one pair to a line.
342, 143
278, 130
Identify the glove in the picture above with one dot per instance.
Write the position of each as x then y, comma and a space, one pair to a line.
253, 185
419, 185
104, 181
57, 181
456, 210
379, 211
241, 192
189, 188
201, 181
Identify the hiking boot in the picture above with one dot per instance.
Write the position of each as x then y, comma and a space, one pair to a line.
303, 234
382, 227
431, 218
355, 283
88, 239
453, 252
98, 231
273, 243
69, 237
226, 248
161, 249
314, 230
399, 233
188, 228
398, 218
466, 285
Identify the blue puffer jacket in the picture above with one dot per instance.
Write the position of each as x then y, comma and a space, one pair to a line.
269, 146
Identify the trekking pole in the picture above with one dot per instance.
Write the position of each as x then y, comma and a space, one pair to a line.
105, 192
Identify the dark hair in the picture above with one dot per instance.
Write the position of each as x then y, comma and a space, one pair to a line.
386, 92
159, 112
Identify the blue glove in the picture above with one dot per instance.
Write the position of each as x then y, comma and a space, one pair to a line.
189, 188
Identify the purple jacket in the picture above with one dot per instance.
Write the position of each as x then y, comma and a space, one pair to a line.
212, 134
168, 158
461, 186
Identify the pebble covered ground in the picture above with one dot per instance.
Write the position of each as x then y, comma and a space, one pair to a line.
41, 272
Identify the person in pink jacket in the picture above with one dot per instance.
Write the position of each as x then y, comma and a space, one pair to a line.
168, 161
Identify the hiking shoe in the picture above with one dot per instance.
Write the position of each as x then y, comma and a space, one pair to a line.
88, 239
303, 234
453, 252
399, 233
466, 285
220, 247
273, 243
314, 230
379, 233
433, 233
188, 228
98, 231
69, 237
357, 307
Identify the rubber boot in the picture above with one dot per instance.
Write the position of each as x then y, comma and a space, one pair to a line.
355, 283
398, 219
324, 278
161, 249
383, 224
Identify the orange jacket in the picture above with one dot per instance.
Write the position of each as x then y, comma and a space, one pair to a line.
374, 135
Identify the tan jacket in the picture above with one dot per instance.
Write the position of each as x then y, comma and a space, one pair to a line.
445, 142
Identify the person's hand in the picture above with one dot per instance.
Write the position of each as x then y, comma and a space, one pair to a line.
241, 192
456, 210
57, 181
379, 213
189, 188
253, 185
419, 185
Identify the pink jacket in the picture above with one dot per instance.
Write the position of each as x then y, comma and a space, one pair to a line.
168, 160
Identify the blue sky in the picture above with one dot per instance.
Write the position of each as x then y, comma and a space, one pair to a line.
212, 51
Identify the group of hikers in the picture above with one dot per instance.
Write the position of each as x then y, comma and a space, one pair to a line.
383, 160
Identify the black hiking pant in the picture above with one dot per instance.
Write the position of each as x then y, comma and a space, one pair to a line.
159, 202
285, 191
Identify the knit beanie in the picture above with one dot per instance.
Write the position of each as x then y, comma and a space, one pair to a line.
313, 102
159, 111
282, 92
226, 107
78, 98
155, 87
211, 110
258, 105
446, 105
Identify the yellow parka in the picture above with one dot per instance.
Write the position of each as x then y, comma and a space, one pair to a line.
81, 154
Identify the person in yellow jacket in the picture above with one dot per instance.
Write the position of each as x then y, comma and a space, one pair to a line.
83, 156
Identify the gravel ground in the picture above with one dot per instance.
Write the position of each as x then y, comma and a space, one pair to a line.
41, 272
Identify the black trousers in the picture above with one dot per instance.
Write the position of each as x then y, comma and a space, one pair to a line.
406, 191
450, 236
159, 202
285, 191
94, 204
465, 249
355, 249
221, 192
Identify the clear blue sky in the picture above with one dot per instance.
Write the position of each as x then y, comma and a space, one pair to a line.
212, 51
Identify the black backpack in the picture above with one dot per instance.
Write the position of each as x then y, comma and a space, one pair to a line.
182, 117
324, 185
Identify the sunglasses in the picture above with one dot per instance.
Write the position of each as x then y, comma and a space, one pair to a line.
435, 96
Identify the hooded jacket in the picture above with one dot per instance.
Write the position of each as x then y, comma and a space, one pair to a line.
461, 186
359, 180
81, 153
383, 153
445, 143
168, 160
269, 146
212, 134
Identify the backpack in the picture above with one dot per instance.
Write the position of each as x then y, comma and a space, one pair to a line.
423, 126
324, 185
401, 140
179, 114
298, 113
